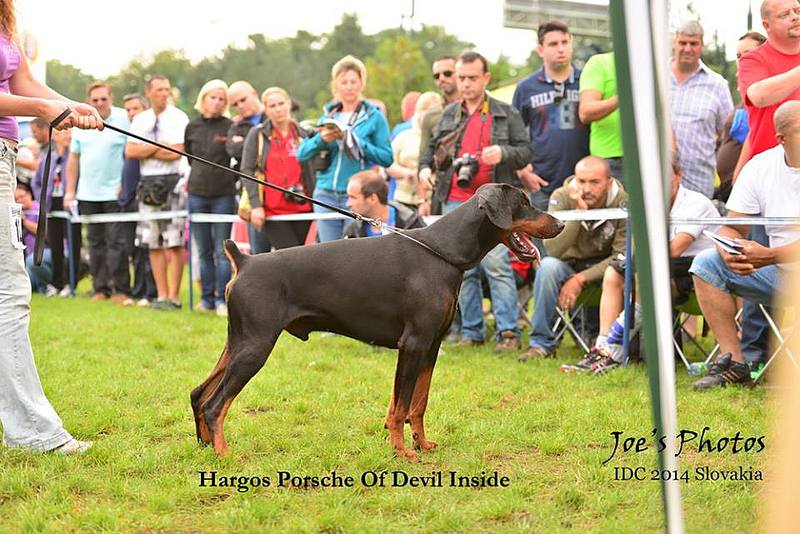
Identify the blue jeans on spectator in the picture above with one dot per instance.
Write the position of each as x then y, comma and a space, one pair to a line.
758, 287
41, 275
502, 287
215, 270
540, 200
550, 276
330, 230
27, 417
259, 243
755, 329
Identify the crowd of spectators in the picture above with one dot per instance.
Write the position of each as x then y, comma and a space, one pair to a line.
560, 139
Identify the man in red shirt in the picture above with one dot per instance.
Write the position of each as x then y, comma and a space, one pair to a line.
770, 74
492, 144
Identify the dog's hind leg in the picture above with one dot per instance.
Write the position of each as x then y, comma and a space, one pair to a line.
419, 402
201, 393
246, 359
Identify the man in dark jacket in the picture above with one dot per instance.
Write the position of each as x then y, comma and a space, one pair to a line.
491, 144
243, 98
367, 195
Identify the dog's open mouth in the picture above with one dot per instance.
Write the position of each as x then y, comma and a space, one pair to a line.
522, 245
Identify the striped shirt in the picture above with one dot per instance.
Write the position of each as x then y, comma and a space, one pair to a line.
699, 106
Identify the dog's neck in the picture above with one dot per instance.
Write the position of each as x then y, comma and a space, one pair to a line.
455, 227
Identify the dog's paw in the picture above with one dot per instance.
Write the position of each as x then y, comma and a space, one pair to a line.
424, 445
408, 455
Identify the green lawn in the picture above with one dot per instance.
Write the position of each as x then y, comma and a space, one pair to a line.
122, 376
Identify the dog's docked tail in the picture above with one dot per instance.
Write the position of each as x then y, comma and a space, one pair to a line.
235, 256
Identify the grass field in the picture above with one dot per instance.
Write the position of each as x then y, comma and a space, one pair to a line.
121, 377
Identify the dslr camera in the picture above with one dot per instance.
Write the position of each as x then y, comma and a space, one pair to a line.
465, 168
296, 188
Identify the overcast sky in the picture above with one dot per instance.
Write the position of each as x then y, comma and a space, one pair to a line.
104, 35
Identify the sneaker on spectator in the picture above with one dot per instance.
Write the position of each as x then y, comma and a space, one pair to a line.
98, 297
66, 291
143, 303
509, 341
469, 342
585, 363
128, 302
202, 308
73, 447
536, 353
723, 372
452, 339
50, 291
164, 304
604, 364
222, 310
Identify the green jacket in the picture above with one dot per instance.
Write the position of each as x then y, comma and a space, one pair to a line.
592, 243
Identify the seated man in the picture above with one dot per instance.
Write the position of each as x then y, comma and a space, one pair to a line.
580, 254
769, 186
685, 242
41, 275
367, 195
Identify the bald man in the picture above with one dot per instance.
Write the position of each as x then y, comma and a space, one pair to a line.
248, 111
580, 253
768, 186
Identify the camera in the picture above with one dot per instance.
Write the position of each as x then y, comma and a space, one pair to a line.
296, 188
465, 168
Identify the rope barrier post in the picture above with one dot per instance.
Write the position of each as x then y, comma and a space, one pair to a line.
189, 250
628, 318
73, 282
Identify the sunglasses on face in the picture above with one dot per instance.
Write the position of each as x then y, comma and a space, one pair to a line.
445, 73
102, 99
559, 90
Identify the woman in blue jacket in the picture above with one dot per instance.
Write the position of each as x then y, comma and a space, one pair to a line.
361, 141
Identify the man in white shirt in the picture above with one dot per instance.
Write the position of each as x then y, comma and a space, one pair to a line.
160, 170
769, 186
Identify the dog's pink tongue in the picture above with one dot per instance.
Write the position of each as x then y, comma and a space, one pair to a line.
529, 249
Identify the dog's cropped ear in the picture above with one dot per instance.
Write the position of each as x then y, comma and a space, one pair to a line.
495, 201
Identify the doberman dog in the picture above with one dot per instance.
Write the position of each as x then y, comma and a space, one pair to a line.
387, 291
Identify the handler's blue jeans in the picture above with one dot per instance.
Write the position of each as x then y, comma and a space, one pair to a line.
550, 276
215, 269
502, 287
27, 417
330, 230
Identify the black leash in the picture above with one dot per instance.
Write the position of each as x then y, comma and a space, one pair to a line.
373, 222
41, 225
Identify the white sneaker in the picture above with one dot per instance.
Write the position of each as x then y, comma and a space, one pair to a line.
74, 447
66, 291
143, 303
50, 290
222, 310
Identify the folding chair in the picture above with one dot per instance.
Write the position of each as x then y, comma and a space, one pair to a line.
782, 342
590, 296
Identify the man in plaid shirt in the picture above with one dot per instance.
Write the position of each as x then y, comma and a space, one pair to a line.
700, 103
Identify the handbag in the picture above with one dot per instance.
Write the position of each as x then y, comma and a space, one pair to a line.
154, 190
446, 147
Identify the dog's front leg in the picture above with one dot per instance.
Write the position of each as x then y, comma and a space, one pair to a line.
409, 364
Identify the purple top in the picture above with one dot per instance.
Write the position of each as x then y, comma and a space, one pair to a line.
31, 214
9, 62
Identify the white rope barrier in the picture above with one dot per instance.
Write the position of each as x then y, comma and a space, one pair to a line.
565, 215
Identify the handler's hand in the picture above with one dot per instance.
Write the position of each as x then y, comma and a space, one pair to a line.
424, 209
492, 155
257, 218
569, 292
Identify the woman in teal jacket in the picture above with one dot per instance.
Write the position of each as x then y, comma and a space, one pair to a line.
366, 145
